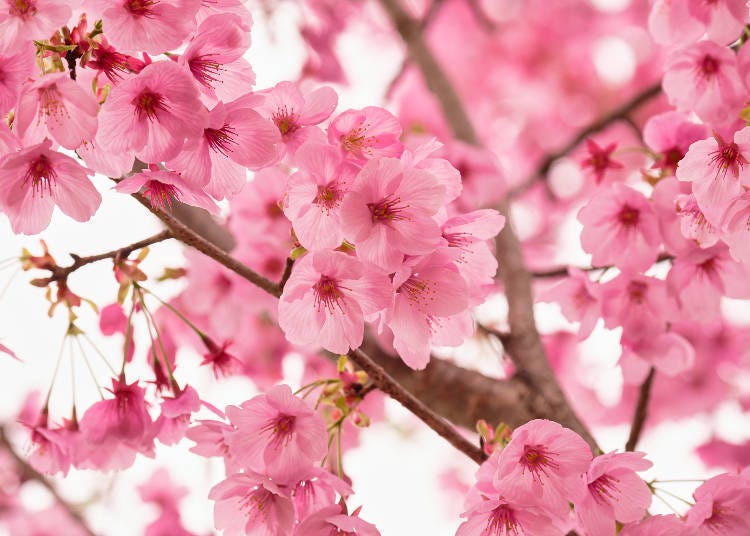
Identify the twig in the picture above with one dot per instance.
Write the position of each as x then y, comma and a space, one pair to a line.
562, 271
391, 387
60, 273
287, 272
622, 112
189, 237
641, 411
29, 473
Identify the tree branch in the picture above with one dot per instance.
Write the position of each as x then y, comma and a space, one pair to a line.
27, 472
562, 271
641, 411
524, 343
622, 112
60, 273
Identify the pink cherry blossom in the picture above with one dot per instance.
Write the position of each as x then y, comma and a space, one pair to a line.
15, 69
425, 156
388, 212
613, 492
428, 290
50, 448
314, 195
718, 171
249, 503
277, 434
105, 59
332, 520
368, 133
236, 137
56, 106
210, 439
27, 20
703, 77
579, 299
162, 188
599, 159
693, 223
723, 19
152, 113
543, 463
171, 425
669, 353
620, 228
35, 179
214, 57
670, 134
721, 505
153, 27
658, 525
316, 490
671, 22
735, 224
295, 114
327, 298
501, 517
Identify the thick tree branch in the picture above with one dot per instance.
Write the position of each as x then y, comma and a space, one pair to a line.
29, 473
641, 411
524, 344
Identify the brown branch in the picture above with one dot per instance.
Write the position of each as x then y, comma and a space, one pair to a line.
622, 112
392, 388
27, 472
184, 234
562, 271
61, 273
287, 273
641, 411
524, 344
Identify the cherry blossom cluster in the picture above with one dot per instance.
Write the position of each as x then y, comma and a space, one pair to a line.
272, 448
527, 487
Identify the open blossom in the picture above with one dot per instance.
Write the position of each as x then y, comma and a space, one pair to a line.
367, 133
214, 57
703, 78
613, 492
22, 21
543, 463
57, 106
314, 195
388, 212
620, 228
152, 113
317, 489
124, 417
295, 114
249, 503
236, 137
722, 19
718, 169
276, 434
162, 188
35, 179
670, 134
579, 299
721, 505
332, 520
153, 27
15, 69
735, 225
428, 290
327, 298
171, 425
50, 448
498, 516
693, 223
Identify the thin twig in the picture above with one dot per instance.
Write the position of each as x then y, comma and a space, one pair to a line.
287, 272
622, 112
392, 388
563, 271
27, 472
60, 273
641, 411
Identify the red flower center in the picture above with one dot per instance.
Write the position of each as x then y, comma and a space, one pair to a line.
148, 104
41, 176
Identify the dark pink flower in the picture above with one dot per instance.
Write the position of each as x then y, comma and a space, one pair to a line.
599, 159
721, 506
501, 517
162, 188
